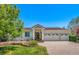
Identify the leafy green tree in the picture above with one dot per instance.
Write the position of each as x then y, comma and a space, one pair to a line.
10, 24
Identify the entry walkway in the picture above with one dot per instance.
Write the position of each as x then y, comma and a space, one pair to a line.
61, 47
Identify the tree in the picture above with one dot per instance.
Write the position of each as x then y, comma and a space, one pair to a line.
73, 22
10, 24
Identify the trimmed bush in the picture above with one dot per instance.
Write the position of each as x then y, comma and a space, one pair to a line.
33, 43
72, 38
3, 39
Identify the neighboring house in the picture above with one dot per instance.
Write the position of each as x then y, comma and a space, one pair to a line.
38, 32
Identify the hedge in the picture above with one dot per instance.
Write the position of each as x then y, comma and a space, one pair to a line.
73, 38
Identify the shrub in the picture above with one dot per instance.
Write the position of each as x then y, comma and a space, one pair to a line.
33, 43
42, 50
72, 38
3, 39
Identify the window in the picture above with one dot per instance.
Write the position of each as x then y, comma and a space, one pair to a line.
48, 34
57, 34
53, 34
27, 34
62, 34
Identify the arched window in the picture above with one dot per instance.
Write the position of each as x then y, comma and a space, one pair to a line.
62, 34
53, 34
57, 34
48, 34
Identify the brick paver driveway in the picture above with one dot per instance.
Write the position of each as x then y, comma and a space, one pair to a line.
61, 47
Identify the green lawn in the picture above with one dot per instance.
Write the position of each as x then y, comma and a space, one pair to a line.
22, 50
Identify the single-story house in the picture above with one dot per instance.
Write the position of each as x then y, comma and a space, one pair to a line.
38, 32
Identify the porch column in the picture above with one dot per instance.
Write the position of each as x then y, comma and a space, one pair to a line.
33, 34
43, 34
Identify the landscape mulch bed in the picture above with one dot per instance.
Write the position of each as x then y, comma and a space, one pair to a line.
12, 42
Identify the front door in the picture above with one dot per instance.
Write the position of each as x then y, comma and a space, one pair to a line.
38, 36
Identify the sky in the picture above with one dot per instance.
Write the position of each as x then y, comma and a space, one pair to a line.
48, 15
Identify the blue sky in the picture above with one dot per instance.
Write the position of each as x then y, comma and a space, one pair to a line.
48, 15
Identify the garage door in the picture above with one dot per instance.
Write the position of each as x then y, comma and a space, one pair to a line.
55, 37
64, 37
51, 37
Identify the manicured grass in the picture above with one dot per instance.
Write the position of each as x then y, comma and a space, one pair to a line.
22, 50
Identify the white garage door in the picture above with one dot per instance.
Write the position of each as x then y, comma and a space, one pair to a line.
55, 37
51, 37
64, 37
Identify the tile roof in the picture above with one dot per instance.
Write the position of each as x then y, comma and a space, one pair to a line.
55, 29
